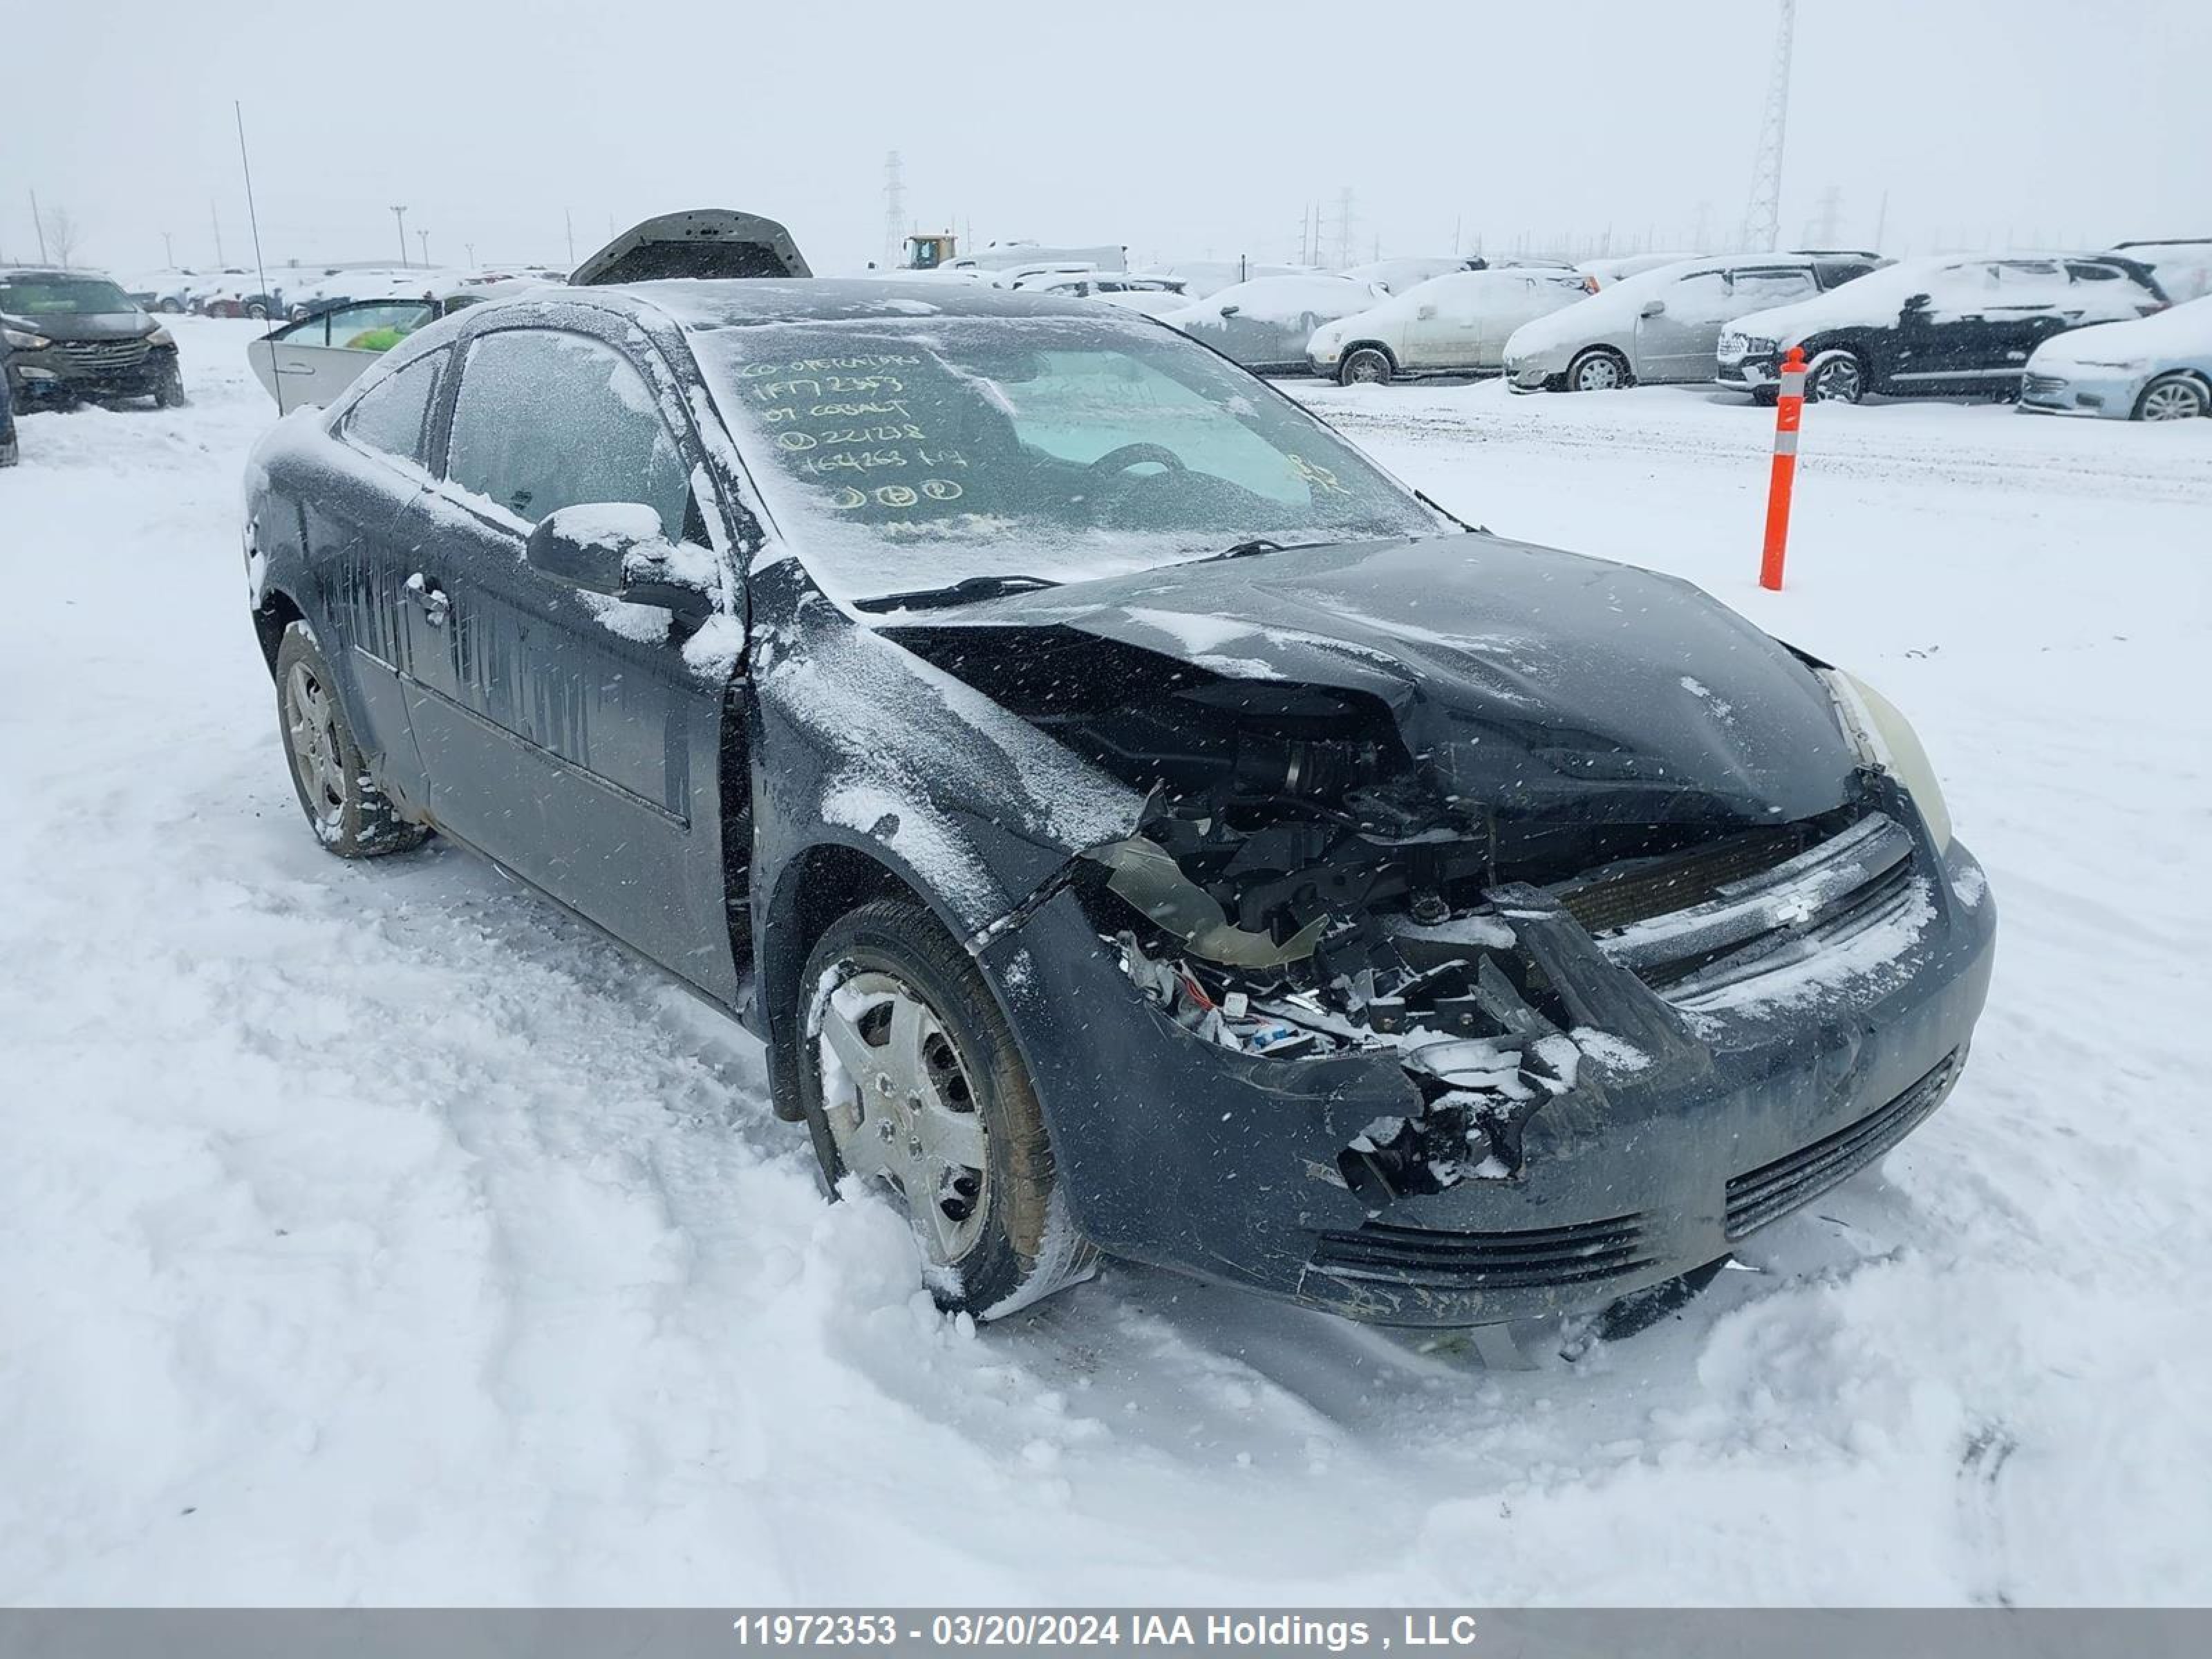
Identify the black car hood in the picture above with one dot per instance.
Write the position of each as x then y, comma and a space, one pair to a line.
83, 325
1523, 678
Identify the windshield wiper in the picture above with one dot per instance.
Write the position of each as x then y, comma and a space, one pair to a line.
964, 592
1257, 544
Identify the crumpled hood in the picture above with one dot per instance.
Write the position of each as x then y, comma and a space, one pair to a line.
83, 325
1524, 678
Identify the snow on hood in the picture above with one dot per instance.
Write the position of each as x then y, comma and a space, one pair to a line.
2182, 332
1528, 679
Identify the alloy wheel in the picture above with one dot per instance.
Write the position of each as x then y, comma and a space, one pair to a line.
902, 1110
311, 726
2174, 400
1598, 372
1837, 380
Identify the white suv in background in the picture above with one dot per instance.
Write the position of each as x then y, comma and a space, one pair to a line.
1663, 324
1456, 324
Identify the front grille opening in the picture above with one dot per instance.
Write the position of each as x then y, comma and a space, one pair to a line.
1530, 1258
1773, 1190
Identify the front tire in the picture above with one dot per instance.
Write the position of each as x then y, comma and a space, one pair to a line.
1598, 369
1836, 377
911, 1081
350, 815
1369, 365
2173, 397
169, 390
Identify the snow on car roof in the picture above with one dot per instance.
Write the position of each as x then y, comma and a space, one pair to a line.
742, 301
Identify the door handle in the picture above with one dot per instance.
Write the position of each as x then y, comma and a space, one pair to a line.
430, 597
295, 368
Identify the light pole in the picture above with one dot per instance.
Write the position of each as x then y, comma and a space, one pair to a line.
425, 236
400, 217
168, 253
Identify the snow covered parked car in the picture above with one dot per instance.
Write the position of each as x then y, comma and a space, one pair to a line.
1134, 821
2153, 368
2182, 268
1949, 325
1661, 326
1396, 275
1453, 325
1265, 323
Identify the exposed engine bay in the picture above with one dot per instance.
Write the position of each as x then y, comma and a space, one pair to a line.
1302, 883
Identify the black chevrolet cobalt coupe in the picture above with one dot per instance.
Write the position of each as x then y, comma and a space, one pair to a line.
1135, 823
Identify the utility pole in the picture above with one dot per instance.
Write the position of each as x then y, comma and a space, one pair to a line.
568, 219
469, 248
169, 252
425, 238
894, 208
400, 218
216, 219
1762, 214
1880, 219
1344, 199
39, 225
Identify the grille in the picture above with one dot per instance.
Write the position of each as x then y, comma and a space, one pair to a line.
1486, 1262
1678, 881
105, 354
2042, 385
1773, 1190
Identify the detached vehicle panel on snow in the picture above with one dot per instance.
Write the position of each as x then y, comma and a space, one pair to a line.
1134, 821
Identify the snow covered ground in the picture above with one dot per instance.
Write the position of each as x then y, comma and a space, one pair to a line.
378, 1235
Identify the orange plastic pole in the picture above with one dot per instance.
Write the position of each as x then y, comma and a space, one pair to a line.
1789, 410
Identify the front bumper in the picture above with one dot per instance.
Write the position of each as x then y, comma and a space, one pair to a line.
1226, 1164
1750, 373
1531, 374
2112, 396
68, 371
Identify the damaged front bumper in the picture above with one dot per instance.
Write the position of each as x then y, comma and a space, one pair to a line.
1719, 1067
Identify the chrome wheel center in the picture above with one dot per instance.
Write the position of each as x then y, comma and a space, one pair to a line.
902, 1110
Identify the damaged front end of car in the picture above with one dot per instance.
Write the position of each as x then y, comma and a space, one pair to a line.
1490, 1009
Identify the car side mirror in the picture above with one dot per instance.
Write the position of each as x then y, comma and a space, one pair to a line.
619, 548
1918, 302
1653, 308
1425, 314
1231, 310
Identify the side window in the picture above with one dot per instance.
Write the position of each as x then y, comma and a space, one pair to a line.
1777, 285
391, 415
1836, 272
1703, 298
2085, 272
547, 420
377, 327
313, 331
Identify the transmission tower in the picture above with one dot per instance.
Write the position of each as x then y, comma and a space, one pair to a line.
1344, 222
894, 208
1762, 215
1822, 231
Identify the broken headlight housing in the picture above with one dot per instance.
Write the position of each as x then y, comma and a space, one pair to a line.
1884, 740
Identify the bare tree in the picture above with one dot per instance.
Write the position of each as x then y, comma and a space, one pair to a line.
62, 235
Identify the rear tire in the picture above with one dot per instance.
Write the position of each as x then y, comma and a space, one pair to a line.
1600, 369
927, 1097
350, 815
1367, 366
1767, 396
2173, 397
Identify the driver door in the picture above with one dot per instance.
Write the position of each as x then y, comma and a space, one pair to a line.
1678, 342
563, 733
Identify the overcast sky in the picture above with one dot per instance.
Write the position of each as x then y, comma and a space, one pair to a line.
1177, 127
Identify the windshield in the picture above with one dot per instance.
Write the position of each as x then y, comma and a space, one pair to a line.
910, 455
79, 296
